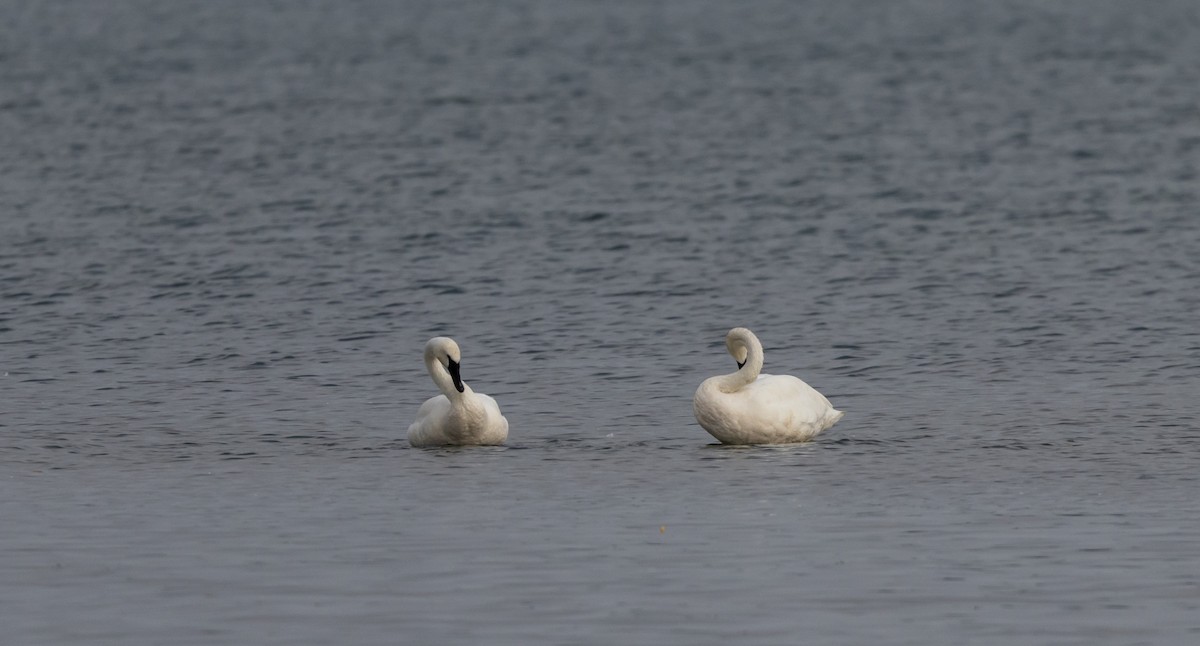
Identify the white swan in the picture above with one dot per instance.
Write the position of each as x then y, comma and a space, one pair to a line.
459, 416
746, 407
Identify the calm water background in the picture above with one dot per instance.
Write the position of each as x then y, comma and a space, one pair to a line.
226, 229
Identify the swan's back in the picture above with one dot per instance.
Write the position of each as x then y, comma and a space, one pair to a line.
791, 394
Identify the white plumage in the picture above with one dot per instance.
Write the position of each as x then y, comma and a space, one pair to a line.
459, 416
747, 407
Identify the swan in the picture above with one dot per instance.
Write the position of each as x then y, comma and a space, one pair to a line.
459, 416
747, 407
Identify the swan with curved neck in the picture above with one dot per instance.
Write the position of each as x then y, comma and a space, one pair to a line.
459, 416
749, 407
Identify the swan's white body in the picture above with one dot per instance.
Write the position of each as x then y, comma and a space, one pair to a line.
747, 407
459, 416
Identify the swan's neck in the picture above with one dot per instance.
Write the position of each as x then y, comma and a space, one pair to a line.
748, 373
443, 380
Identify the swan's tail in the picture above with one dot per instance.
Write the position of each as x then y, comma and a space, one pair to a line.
832, 416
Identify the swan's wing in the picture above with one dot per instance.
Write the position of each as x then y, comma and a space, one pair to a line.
491, 405
788, 396
433, 407
428, 424
497, 425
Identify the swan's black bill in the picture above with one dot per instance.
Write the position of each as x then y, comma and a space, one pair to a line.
454, 367
740, 364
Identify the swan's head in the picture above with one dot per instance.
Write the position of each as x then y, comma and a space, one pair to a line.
738, 343
445, 351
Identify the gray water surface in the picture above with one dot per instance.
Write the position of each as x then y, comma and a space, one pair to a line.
226, 230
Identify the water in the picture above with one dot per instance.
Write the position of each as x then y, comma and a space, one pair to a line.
226, 230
